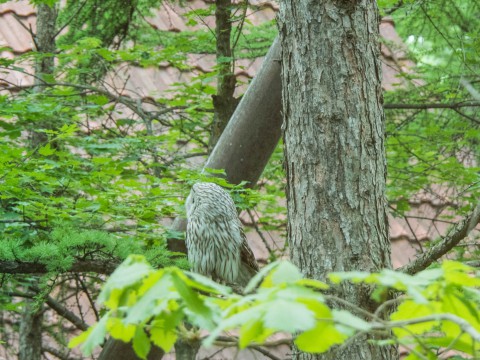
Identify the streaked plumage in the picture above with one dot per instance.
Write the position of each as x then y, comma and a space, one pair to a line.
216, 243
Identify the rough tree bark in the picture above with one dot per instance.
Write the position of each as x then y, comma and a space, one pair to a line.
44, 41
334, 147
30, 342
224, 103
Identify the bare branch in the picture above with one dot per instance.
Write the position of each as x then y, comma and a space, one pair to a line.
462, 323
57, 353
457, 233
65, 313
21, 267
432, 106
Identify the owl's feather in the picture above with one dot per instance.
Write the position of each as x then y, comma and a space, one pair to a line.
216, 243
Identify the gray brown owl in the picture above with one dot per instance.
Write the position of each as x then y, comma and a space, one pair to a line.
216, 243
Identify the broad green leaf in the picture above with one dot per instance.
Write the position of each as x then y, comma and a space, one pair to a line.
46, 150
253, 332
321, 338
132, 270
93, 337
324, 334
337, 277
141, 343
288, 316
258, 277
154, 288
199, 313
205, 284
313, 284
163, 331
460, 274
347, 319
411, 310
119, 330
248, 315
284, 272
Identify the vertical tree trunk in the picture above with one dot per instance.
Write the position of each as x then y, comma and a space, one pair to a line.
224, 102
45, 44
30, 342
334, 147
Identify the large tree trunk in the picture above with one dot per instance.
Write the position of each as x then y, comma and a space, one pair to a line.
334, 147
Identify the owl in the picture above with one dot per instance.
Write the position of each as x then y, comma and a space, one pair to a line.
216, 243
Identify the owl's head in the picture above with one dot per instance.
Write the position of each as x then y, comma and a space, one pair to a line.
209, 200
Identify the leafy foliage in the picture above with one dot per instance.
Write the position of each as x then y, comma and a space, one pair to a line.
438, 310
114, 164
436, 143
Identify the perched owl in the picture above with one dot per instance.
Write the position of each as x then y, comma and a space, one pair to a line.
216, 243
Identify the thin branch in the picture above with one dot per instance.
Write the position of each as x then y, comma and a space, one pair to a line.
353, 307
259, 232
432, 106
394, 7
57, 353
70, 19
265, 352
472, 119
458, 233
464, 325
22, 267
65, 313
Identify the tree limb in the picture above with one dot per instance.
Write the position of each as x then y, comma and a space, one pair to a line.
65, 313
432, 106
458, 233
23, 267
464, 325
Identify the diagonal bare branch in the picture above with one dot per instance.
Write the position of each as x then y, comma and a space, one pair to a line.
456, 234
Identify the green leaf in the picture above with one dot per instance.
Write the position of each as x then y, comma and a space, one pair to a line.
141, 343
46, 150
253, 332
91, 338
243, 316
283, 272
411, 310
320, 339
155, 288
324, 335
288, 316
119, 330
131, 271
163, 332
205, 284
200, 314
346, 318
